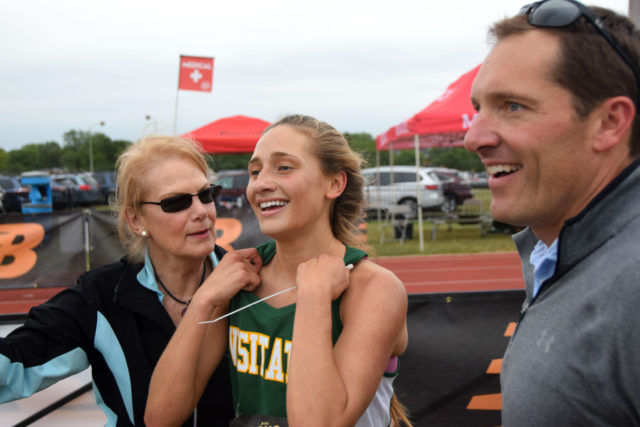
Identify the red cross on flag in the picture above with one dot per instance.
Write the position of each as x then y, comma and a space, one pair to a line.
196, 73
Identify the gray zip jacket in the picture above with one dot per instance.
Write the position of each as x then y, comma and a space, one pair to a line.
574, 359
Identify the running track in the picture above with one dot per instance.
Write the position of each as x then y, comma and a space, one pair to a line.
491, 271
495, 271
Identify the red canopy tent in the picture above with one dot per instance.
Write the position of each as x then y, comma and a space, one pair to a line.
443, 123
236, 134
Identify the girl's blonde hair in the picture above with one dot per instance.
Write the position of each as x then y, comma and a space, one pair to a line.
399, 413
132, 169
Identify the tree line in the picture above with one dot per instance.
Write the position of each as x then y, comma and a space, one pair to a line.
73, 155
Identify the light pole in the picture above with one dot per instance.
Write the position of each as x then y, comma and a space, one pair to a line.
91, 145
153, 122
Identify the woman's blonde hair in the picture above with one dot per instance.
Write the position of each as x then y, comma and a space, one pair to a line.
132, 169
335, 155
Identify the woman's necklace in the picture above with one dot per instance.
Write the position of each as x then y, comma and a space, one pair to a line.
173, 297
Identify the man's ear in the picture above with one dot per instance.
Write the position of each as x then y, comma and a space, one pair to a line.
614, 123
337, 185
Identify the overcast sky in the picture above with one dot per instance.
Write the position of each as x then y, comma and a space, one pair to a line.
362, 66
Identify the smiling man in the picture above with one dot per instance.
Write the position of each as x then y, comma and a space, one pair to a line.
557, 130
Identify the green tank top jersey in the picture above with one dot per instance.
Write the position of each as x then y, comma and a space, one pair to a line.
260, 347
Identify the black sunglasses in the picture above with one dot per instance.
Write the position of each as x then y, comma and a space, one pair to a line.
181, 202
562, 13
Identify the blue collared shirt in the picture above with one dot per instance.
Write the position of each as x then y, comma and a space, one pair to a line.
147, 276
543, 258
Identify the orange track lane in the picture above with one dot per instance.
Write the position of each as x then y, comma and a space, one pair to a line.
16, 301
495, 271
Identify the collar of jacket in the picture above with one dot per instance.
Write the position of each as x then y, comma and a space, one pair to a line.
608, 212
133, 296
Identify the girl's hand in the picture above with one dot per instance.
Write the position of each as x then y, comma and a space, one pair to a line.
325, 274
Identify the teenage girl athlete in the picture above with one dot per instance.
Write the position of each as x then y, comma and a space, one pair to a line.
323, 353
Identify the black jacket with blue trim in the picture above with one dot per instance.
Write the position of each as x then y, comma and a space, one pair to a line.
111, 322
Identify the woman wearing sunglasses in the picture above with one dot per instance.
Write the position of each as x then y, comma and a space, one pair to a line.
324, 353
119, 318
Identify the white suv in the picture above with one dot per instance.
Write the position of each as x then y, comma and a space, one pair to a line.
403, 189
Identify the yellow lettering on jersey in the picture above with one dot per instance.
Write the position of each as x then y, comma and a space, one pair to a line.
264, 345
251, 353
257, 340
287, 351
233, 343
243, 353
274, 372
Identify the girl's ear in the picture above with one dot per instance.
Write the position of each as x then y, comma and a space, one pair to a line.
337, 185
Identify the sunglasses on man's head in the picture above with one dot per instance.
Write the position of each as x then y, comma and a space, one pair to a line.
181, 202
562, 13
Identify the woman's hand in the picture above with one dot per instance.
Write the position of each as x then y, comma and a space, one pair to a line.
325, 274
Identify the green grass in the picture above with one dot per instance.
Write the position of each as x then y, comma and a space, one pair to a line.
450, 239
483, 194
458, 239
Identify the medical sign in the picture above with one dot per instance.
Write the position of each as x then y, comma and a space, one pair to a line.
196, 73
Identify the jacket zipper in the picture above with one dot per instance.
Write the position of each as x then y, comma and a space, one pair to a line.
527, 304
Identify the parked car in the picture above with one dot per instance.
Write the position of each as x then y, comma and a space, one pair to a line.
15, 193
456, 190
397, 185
84, 188
479, 180
234, 186
107, 181
2, 195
